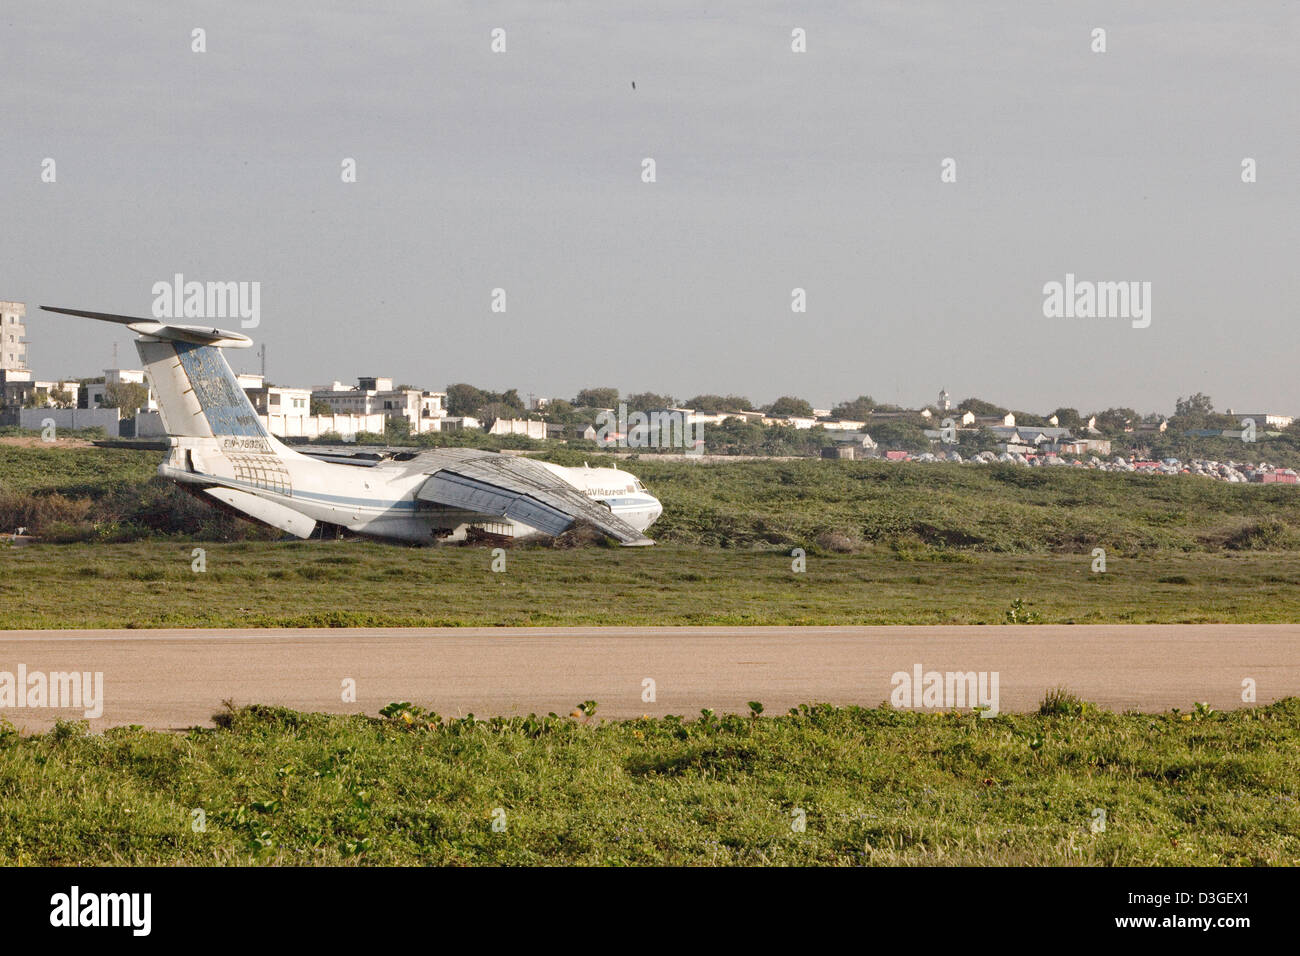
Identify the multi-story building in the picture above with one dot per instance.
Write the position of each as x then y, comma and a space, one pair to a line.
13, 350
284, 408
95, 393
372, 395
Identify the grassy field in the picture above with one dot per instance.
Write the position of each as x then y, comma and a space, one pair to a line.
873, 786
886, 543
93, 494
356, 583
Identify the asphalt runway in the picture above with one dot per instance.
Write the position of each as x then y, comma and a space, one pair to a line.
178, 679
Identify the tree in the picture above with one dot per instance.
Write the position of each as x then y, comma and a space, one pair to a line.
464, 399
973, 441
1113, 421
1198, 404
1029, 418
321, 407
60, 398
735, 437
1067, 417
397, 429
558, 410
601, 397
977, 406
128, 396
900, 436
1197, 412
788, 406
857, 410
644, 401
493, 411
720, 403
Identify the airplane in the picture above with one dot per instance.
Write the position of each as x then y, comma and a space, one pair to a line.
220, 449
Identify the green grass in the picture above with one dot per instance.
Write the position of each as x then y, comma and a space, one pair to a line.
748, 505
875, 786
360, 583
886, 543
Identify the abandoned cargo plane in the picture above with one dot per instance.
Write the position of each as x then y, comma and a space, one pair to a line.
220, 448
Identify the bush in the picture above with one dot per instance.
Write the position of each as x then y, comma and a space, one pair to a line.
1059, 702
38, 513
837, 542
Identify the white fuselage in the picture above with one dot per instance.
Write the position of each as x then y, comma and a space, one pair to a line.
377, 500
619, 491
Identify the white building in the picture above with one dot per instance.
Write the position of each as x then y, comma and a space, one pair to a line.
97, 391
1264, 419
371, 395
13, 350
282, 408
798, 421
18, 390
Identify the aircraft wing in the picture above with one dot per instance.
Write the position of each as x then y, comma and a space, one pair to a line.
521, 489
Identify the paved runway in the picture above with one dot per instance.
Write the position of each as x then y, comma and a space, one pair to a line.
177, 679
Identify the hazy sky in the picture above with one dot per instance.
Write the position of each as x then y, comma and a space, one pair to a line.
775, 170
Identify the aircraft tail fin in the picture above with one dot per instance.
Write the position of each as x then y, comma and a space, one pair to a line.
198, 394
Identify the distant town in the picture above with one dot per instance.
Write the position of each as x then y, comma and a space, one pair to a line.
1234, 446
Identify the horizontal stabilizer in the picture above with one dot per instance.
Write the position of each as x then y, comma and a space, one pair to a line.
194, 334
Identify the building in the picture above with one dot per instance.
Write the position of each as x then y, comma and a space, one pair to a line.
1262, 419
95, 393
13, 350
284, 409
27, 393
840, 451
1027, 439
424, 411
1150, 428
797, 421
862, 444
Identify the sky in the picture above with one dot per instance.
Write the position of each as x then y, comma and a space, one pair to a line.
774, 170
